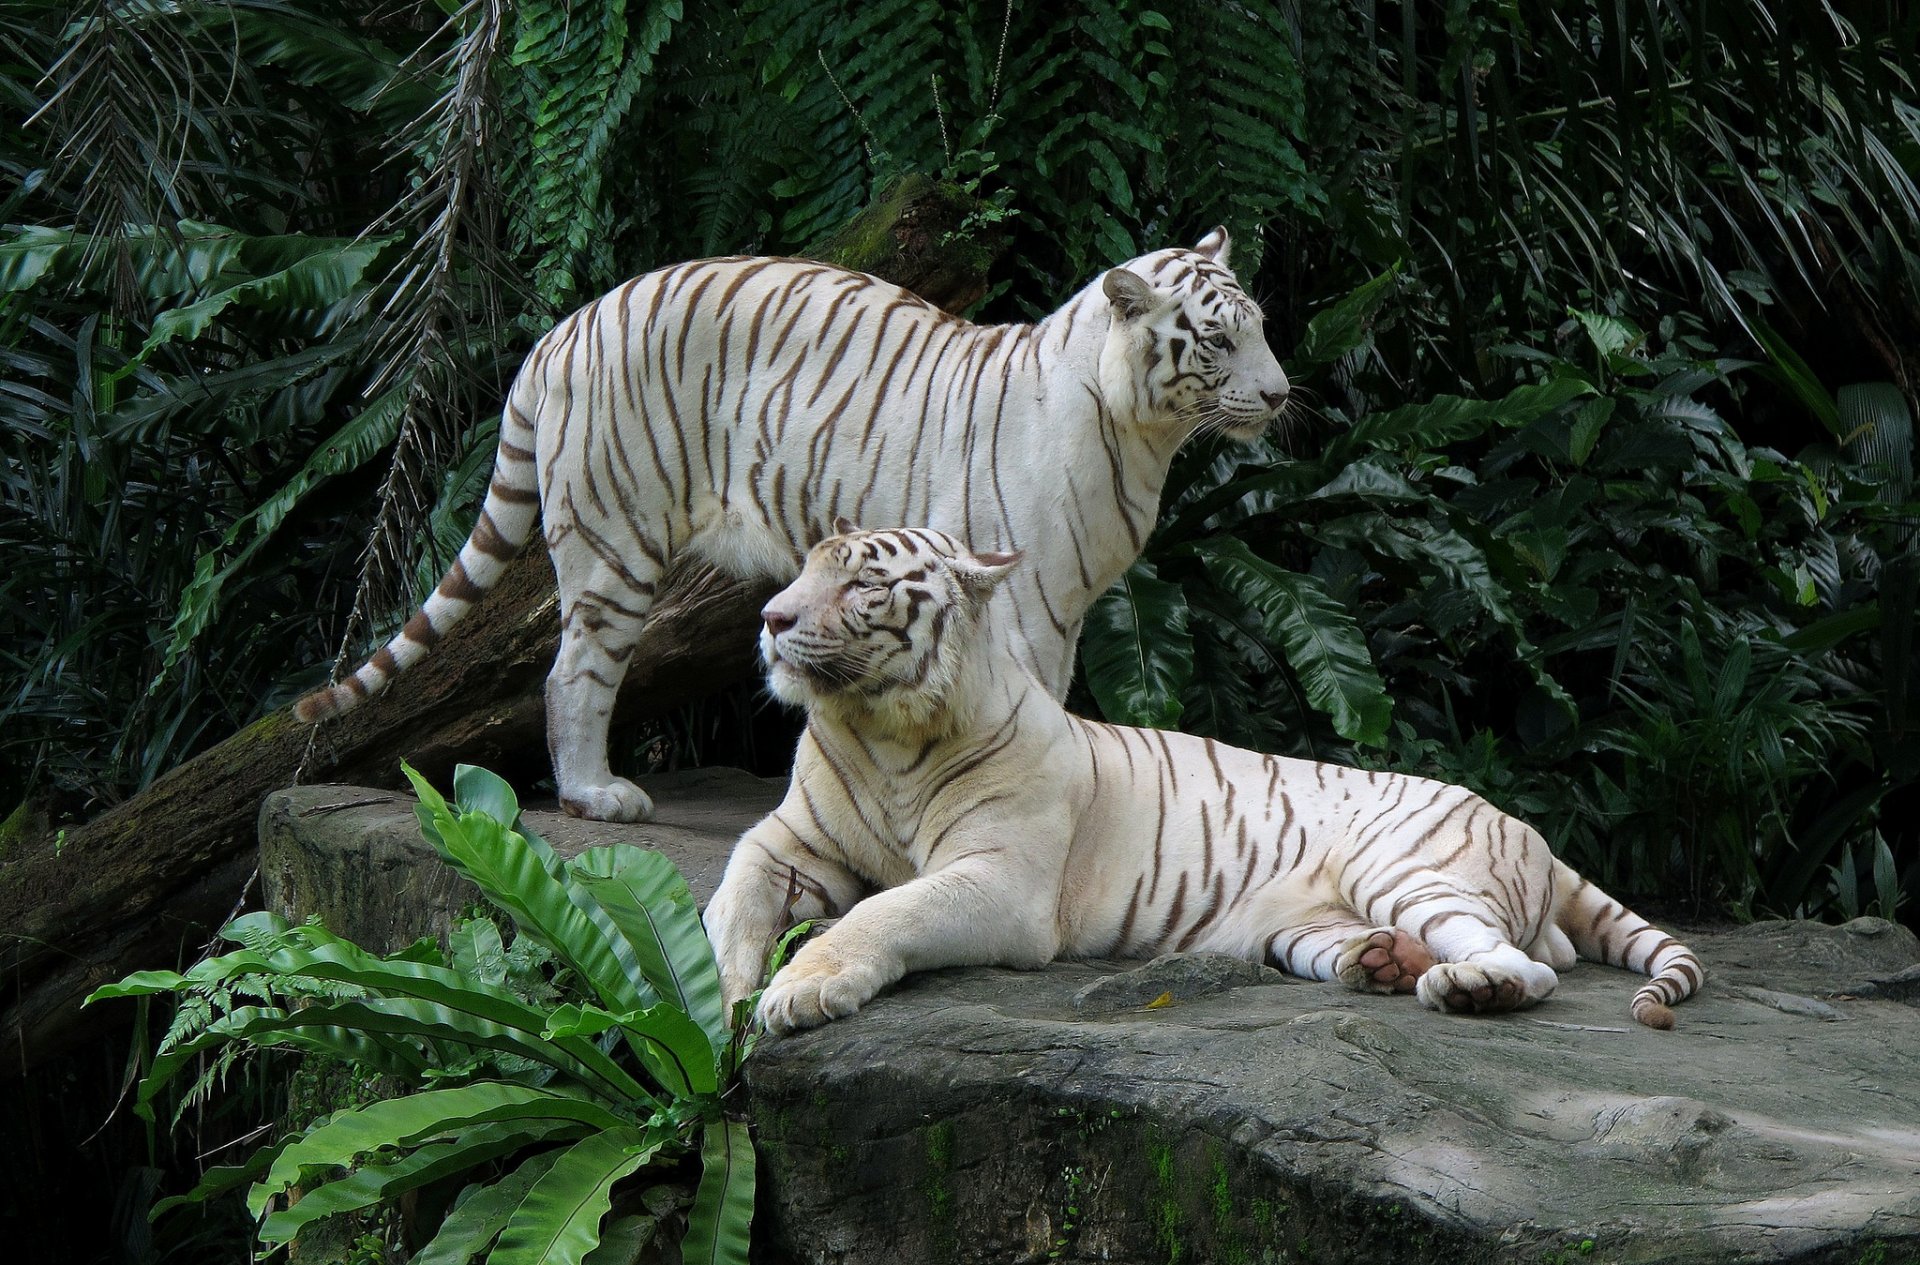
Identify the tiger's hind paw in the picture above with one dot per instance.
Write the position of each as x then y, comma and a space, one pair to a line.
1382, 961
618, 800
1470, 988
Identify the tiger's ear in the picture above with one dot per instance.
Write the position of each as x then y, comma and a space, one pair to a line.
1216, 246
981, 573
843, 526
1129, 293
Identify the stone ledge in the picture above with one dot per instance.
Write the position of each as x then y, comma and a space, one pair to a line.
963, 1114
997, 1116
354, 856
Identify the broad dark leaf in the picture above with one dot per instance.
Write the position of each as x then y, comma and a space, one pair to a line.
1324, 646
1137, 650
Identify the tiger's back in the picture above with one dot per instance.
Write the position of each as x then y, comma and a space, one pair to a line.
729, 410
734, 408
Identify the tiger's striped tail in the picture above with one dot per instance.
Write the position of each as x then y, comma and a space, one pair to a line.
507, 519
1604, 930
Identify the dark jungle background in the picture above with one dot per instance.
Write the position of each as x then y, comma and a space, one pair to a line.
1598, 497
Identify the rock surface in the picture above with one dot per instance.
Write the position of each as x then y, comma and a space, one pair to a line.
353, 855
1198, 1109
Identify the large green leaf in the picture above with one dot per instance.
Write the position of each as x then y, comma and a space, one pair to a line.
674, 1048
480, 1213
1337, 330
372, 1183
1454, 557
332, 275
719, 1226
339, 1031
518, 878
1323, 644
451, 1006
1447, 419
647, 900
1878, 428
1609, 335
558, 1222
1254, 490
1799, 378
357, 73
1368, 481
1137, 649
1438, 549
478, 790
222, 1178
180, 261
401, 1123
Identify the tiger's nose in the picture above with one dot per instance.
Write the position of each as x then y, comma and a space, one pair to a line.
1274, 399
778, 621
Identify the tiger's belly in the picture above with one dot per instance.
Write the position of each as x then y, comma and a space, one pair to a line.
1192, 845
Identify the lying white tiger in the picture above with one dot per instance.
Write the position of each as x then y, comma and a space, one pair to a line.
1004, 831
730, 409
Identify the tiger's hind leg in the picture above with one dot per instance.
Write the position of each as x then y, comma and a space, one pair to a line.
1477, 968
600, 622
1384, 960
1332, 943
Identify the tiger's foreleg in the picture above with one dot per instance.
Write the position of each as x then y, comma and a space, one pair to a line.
774, 880
982, 909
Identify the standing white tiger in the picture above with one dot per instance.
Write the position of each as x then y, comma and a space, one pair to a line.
1003, 831
730, 409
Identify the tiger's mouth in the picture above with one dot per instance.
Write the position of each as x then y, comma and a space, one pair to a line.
1247, 428
814, 676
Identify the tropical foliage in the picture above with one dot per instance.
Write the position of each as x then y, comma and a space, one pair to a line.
526, 1082
1695, 653
1601, 506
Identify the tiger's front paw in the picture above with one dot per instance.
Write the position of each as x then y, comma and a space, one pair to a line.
618, 800
1470, 988
1382, 961
818, 985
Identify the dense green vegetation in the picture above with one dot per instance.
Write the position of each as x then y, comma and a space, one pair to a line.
517, 1084
268, 264
1602, 502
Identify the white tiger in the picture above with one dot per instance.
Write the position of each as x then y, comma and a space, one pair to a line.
1002, 830
730, 409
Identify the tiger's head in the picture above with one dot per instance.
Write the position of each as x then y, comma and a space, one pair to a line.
878, 621
1187, 347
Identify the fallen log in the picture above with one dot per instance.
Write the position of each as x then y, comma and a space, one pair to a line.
146, 883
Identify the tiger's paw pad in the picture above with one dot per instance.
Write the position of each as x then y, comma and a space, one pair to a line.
618, 800
807, 994
1464, 988
1382, 961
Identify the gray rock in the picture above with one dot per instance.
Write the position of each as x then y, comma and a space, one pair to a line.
1788, 1003
960, 1117
1902, 985
1175, 977
1001, 1116
354, 856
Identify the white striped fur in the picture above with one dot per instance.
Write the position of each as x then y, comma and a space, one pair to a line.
1000, 830
730, 409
